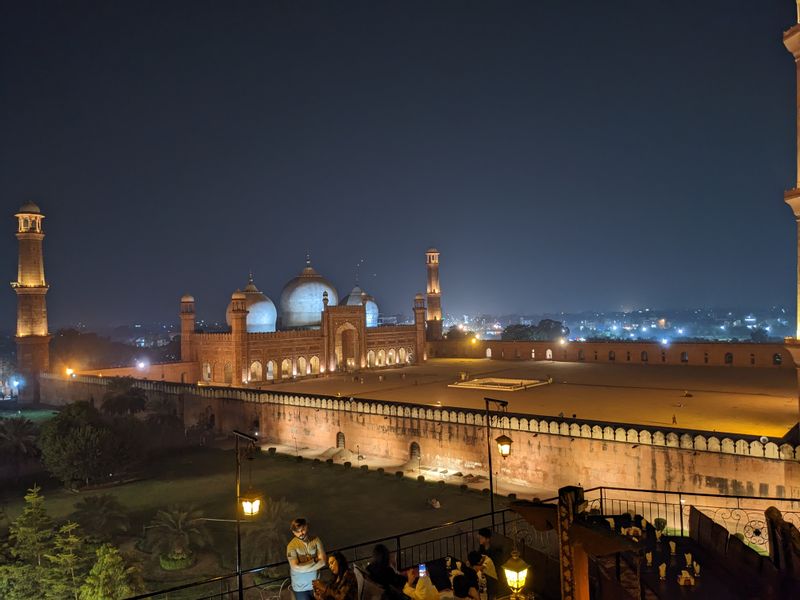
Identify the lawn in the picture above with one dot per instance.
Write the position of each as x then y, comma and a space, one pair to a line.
345, 506
36, 415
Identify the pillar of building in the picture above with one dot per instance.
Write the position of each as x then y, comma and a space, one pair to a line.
187, 329
791, 39
434, 315
33, 337
419, 324
239, 337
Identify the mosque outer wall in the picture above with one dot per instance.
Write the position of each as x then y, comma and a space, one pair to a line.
700, 353
547, 453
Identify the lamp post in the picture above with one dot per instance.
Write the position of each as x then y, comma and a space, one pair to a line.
250, 504
503, 447
516, 572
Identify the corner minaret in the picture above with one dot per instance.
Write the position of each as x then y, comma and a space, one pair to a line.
33, 337
434, 318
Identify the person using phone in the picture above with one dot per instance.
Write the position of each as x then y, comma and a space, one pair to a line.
419, 586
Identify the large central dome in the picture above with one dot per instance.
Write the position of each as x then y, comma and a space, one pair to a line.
261, 313
301, 299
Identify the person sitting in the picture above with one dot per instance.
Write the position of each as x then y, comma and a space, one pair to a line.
343, 586
469, 580
487, 546
462, 589
419, 588
380, 569
487, 574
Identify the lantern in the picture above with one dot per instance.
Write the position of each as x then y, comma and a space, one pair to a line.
516, 571
504, 445
251, 504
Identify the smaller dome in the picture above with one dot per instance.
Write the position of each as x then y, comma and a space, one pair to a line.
187, 298
357, 297
30, 207
237, 295
419, 297
432, 250
261, 313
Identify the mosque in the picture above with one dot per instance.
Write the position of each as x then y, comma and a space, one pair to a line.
313, 332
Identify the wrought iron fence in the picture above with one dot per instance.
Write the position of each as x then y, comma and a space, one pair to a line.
410, 548
742, 516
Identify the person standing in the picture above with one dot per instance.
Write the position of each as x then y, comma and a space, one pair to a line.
306, 557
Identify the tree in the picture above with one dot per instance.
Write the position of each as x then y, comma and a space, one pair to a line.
110, 578
518, 332
69, 561
22, 581
83, 454
31, 533
176, 531
458, 333
101, 517
264, 541
122, 398
18, 442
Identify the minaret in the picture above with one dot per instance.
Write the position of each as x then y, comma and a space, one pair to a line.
434, 295
33, 337
419, 324
791, 39
239, 338
188, 325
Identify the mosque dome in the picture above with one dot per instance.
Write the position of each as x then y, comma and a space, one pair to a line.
261, 313
301, 299
29, 207
187, 298
357, 297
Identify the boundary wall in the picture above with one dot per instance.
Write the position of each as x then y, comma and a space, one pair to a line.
548, 452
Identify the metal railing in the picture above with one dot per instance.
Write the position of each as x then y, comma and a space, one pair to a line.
455, 538
742, 516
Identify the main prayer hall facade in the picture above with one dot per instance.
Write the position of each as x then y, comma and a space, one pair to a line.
314, 333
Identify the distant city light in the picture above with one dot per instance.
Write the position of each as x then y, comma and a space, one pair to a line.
722, 327
664, 341
680, 331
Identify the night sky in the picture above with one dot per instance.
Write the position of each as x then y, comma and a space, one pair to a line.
561, 155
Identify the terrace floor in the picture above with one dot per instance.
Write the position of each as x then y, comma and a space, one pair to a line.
755, 401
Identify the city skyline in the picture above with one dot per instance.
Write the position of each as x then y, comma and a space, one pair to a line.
206, 184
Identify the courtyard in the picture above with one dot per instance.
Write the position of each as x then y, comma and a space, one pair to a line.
754, 401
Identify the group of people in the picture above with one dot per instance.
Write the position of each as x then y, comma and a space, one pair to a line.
472, 579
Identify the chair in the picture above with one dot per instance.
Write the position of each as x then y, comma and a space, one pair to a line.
359, 581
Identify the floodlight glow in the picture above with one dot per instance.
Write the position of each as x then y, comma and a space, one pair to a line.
140, 364
664, 341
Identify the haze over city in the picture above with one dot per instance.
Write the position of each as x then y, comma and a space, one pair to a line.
562, 156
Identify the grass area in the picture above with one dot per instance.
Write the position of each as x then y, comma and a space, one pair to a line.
345, 506
36, 415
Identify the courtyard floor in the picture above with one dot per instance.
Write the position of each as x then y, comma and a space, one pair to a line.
756, 401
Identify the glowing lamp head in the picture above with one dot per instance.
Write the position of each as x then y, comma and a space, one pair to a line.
140, 364
69, 372
563, 341
504, 445
474, 340
516, 572
251, 504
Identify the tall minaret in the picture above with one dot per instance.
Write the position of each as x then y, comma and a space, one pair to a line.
434, 295
33, 337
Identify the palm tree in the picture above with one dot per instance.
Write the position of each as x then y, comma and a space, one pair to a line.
18, 437
264, 540
176, 531
101, 517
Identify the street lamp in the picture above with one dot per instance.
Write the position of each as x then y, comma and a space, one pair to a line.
516, 571
503, 447
250, 504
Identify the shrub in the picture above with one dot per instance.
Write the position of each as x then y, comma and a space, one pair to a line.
660, 524
463, 487
421, 478
364, 468
380, 470
175, 564
317, 461
398, 474
298, 458
347, 465
512, 496
440, 483
458, 474
329, 462
485, 491
272, 451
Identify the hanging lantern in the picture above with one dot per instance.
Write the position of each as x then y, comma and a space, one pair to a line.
516, 572
251, 504
504, 445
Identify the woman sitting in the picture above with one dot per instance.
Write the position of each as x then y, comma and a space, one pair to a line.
344, 585
380, 569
